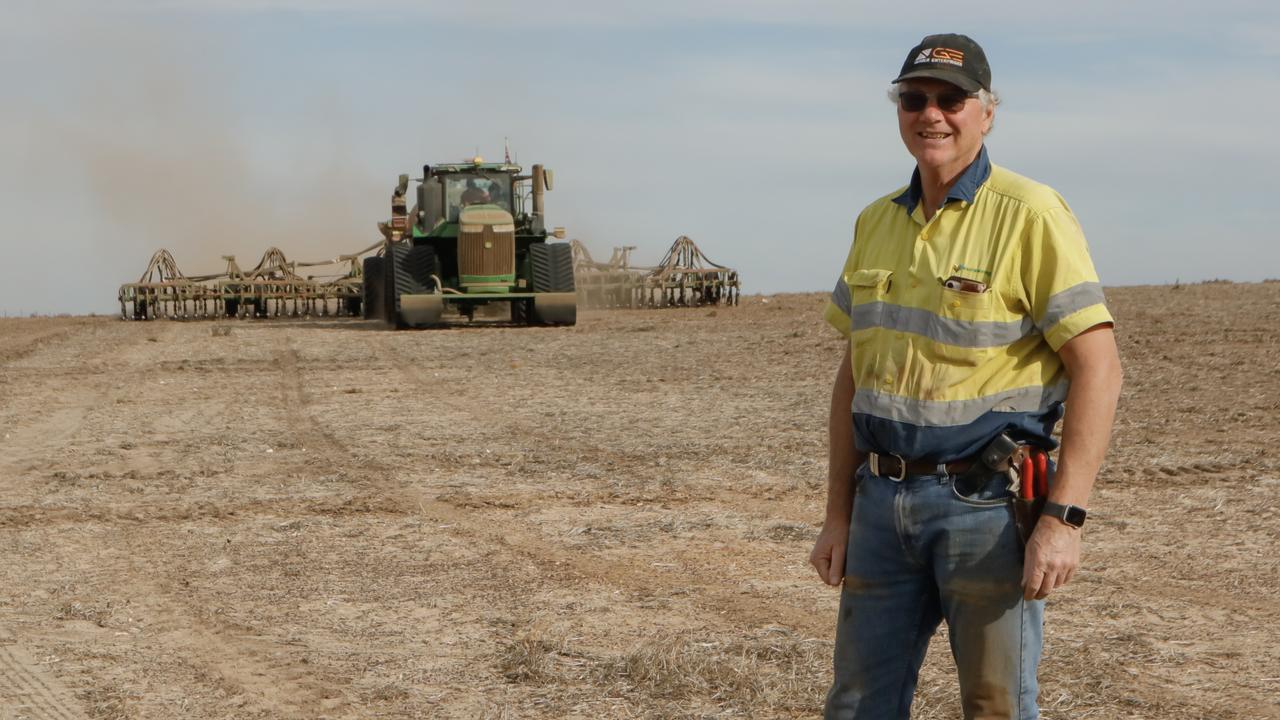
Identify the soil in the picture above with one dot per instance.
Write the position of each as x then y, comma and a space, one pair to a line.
324, 519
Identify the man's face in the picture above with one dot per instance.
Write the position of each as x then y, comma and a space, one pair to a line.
943, 142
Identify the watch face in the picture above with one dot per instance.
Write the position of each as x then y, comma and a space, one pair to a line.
1074, 515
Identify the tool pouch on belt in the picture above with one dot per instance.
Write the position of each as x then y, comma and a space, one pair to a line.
1003, 454
1025, 514
1033, 490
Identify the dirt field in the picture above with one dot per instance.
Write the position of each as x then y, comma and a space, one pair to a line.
322, 519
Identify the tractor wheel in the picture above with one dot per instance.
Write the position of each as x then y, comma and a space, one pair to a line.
414, 268
520, 311
371, 288
423, 266
551, 270
552, 267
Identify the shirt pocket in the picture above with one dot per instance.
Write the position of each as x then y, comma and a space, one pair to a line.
868, 290
963, 330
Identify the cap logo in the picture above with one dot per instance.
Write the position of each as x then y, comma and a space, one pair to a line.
942, 55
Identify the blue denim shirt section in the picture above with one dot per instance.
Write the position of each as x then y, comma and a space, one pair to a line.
965, 187
945, 444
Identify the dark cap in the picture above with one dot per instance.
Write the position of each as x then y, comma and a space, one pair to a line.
956, 59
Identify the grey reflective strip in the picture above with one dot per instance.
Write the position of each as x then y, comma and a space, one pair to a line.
865, 316
1072, 300
947, 413
841, 297
962, 333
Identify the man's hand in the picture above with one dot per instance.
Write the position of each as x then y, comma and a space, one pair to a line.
1051, 559
828, 552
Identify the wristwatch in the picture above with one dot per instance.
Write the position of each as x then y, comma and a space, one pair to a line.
1072, 515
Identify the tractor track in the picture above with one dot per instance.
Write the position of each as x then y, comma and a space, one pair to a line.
43, 425
25, 345
29, 692
267, 677
270, 678
561, 560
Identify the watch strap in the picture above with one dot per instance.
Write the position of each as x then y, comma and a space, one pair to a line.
1073, 515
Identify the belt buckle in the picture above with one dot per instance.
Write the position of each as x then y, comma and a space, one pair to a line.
902, 467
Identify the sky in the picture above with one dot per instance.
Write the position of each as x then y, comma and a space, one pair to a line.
759, 129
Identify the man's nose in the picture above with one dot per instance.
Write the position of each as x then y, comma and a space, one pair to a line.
931, 111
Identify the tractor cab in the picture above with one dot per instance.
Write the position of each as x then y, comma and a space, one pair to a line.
446, 191
476, 235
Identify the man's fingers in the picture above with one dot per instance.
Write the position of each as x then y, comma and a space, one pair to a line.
820, 559
835, 571
829, 562
1032, 579
1051, 581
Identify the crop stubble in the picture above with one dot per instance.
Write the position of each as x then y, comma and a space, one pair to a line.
321, 519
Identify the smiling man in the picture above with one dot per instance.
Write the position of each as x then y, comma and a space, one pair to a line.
974, 322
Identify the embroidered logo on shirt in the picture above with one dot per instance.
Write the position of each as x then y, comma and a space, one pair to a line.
965, 268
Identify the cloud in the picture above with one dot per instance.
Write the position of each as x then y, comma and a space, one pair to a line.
757, 128
1081, 20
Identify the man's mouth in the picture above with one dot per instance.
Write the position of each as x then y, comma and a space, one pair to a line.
933, 135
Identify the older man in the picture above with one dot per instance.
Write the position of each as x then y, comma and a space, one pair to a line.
972, 313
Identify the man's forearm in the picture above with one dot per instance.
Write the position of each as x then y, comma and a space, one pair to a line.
1096, 377
843, 458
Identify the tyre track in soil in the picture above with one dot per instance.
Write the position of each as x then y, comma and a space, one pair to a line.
266, 676
269, 677
266, 672
55, 416
562, 561
50, 422
26, 690
26, 345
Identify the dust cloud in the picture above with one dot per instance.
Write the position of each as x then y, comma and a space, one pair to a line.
146, 126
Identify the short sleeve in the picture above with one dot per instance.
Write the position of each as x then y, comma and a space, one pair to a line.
1061, 286
839, 308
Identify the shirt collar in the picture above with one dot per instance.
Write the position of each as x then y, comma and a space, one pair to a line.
964, 188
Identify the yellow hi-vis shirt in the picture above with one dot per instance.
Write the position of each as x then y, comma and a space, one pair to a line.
940, 371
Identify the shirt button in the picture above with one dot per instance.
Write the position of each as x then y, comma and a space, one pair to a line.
955, 303
888, 379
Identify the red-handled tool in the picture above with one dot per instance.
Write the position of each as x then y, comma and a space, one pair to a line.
1027, 489
1041, 472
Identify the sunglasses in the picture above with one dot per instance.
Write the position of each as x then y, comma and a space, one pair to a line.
948, 101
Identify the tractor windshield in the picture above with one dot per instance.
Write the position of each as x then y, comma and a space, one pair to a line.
478, 188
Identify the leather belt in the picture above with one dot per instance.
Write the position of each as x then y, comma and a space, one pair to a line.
898, 468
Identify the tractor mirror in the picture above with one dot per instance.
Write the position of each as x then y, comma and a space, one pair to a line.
403, 184
548, 178
558, 233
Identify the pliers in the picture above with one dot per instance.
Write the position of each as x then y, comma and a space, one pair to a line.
1034, 480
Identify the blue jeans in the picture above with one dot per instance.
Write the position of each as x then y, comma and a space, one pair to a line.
918, 553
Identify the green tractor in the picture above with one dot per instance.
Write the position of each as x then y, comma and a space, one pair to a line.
475, 237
